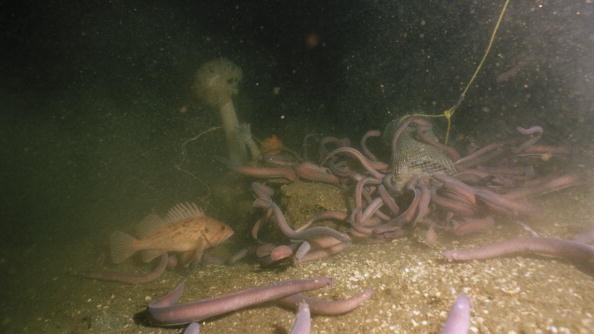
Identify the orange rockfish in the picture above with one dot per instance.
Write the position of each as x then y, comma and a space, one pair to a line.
185, 229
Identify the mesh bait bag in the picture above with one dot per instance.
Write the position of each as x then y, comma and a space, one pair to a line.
412, 157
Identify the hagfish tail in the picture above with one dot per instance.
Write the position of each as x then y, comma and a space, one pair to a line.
130, 278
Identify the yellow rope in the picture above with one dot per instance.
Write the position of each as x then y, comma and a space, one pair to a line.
449, 113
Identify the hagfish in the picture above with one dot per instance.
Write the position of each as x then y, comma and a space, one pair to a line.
571, 250
302, 322
130, 278
585, 237
458, 320
193, 328
306, 234
165, 313
328, 307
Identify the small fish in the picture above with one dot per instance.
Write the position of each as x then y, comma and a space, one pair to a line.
185, 229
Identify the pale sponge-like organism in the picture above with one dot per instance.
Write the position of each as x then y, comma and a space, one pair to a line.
215, 84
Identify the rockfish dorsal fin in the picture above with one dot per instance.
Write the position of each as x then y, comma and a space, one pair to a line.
182, 211
149, 224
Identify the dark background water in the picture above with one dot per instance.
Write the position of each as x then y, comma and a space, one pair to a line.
91, 90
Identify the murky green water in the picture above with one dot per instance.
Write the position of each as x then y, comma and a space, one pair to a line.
96, 105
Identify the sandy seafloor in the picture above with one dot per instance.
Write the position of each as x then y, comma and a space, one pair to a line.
414, 288
92, 122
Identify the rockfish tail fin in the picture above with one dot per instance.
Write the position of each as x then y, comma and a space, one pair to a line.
122, 246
